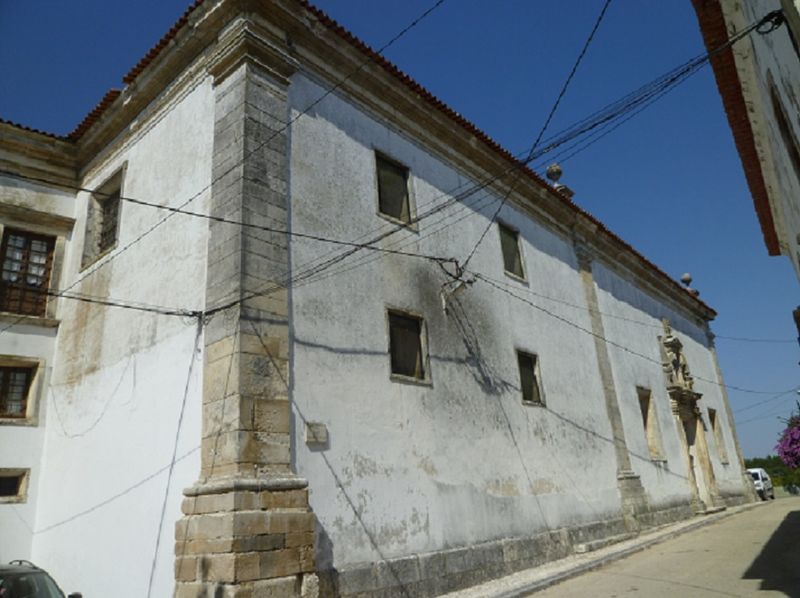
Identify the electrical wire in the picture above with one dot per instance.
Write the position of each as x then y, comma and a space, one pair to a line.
543, 129
357, 247
605, 120
769, 400
620, 346
328, 92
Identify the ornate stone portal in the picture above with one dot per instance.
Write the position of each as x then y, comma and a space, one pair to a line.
689, 420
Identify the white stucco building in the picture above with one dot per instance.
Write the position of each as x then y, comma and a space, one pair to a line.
302, 394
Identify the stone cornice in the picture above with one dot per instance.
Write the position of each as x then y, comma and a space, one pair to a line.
592, 245
36, 220
282, 38
36, 155
188, 43
247, 40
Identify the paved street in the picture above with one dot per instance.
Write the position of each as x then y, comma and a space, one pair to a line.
754, 553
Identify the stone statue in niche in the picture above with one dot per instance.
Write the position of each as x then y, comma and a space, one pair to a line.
676, 367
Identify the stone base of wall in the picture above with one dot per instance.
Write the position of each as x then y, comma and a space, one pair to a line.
435, 573
243, 538
666, 515
734, 500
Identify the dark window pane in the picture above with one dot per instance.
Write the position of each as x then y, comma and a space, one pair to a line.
393, 190
109, 208
527, 375
26, 263
509, 242
405, 345
9, 485
14, 385
644, 404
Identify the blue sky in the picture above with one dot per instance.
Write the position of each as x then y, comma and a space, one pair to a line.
669, 181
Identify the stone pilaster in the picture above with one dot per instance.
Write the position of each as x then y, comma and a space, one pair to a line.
749, 488
632, 495
247, 528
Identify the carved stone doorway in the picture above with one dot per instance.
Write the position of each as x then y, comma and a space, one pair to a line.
690, 425
700, 472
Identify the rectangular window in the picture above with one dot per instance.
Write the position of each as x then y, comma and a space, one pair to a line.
718, 439
650, 423
512, 258
102, 220
393, 190
15, 382
13, 485
529, 378
405, 345
109, 219
27, 260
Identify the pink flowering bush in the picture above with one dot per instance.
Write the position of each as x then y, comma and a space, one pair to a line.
788, 446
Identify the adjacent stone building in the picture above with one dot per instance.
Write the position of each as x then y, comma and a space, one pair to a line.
305, 394
759, 81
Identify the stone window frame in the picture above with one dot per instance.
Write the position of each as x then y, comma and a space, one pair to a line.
502, 224
650, 426
35, 388
39, 223
537, 376
412, 224
114, 185
427, 379
719, 439
22, 491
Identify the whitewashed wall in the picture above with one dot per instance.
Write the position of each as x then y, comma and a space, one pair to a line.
120, 375
414, 468
632, 318
21, 446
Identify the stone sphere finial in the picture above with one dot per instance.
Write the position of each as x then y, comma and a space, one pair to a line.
686, 279
554, 172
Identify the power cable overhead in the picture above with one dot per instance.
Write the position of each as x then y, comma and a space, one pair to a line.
416, 21
620, 346
543, 129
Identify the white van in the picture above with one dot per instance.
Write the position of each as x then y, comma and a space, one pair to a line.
762, 482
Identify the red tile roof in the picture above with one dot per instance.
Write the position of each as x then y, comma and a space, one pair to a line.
402, 78
94, 115
441, 106
32, 130
161, 44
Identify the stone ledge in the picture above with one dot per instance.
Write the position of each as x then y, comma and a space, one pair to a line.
238, 484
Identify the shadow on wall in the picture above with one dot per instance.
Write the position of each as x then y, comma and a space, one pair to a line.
777, 563
450, 183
